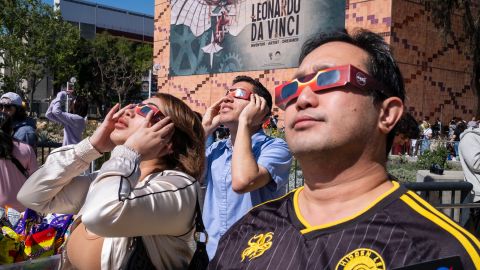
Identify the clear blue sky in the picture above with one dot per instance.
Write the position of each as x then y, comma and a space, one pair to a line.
142, 6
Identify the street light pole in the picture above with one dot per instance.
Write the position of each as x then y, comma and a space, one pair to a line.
72, 81
149, 83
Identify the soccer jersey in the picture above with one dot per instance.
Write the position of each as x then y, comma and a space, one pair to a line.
398, 229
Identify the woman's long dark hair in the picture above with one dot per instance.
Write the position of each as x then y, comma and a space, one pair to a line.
188, 139
6, 140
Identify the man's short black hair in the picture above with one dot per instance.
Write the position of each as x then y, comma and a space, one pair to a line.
408, 126
380, 63
258, 88
80, 106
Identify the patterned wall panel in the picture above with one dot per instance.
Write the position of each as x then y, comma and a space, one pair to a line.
435, 74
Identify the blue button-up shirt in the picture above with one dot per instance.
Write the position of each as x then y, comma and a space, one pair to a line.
223, 206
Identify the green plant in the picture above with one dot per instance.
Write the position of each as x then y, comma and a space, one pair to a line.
275, 132
437, 156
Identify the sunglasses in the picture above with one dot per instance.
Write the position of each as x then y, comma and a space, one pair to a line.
325, 79
6, 107
143, 109
239, 93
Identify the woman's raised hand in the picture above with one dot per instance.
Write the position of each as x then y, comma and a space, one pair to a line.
152, 141
101, 137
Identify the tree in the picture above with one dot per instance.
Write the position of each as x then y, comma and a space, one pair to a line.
34, 42
442, 12
119, 63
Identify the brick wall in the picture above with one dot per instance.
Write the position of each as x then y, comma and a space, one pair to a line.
436, 74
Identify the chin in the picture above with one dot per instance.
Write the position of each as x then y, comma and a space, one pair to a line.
117, 138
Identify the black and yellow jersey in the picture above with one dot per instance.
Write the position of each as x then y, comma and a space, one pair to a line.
398, 229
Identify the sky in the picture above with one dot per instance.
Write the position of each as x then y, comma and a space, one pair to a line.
142, 6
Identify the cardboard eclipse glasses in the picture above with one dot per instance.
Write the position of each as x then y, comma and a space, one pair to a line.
326, 79
143, 109
239, 93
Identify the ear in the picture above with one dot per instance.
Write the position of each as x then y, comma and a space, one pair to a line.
391, 110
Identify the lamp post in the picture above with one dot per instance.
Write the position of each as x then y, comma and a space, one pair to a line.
71, 82
155, 68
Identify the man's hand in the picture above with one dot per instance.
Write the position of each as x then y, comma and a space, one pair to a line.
253, 115
211, 118
152, 141
101, 137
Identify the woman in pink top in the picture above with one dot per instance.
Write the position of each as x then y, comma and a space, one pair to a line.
17, 161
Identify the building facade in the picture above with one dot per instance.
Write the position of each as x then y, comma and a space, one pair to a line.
92, 18
437, 74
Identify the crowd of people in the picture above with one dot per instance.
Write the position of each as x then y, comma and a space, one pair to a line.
422, 134
142, 207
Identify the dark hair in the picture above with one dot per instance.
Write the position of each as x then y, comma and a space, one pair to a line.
408, 126
380, 63
258, 88
20, 114
6, 140
80, 106
188, 140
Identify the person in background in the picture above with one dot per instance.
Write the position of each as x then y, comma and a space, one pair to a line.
437, 128
459, 129
405, 130
74, 121
17, 162
427, 135
451, 127
147, 189
349, 214
472, 123
248, 167
23, 127
469, 153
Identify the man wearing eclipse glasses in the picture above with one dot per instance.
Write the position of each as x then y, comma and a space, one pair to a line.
341, 108
247, 168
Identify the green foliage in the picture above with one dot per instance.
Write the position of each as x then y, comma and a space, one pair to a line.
34, 42
275, 132
428, 158
113, 64
402, 170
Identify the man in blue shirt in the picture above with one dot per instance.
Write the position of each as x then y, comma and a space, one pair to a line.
249, 167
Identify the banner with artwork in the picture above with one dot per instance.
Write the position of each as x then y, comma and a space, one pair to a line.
215, 36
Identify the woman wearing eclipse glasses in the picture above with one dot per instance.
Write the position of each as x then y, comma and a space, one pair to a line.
148, 188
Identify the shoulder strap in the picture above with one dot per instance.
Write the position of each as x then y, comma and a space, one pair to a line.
19, 166
199, 227
200, 257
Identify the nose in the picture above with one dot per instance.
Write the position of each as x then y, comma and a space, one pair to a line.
228, 98
130, 112
306, 99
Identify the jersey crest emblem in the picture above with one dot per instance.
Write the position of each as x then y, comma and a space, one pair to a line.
257, 245
362, 258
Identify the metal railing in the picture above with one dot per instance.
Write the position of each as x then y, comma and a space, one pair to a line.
44, 149
452, 198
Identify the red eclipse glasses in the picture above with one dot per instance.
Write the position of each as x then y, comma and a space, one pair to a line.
325, 79
239, 93
143, 109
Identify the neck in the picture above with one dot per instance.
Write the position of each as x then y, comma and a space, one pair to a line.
233, 132
234, 129
150, 166
337, 189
